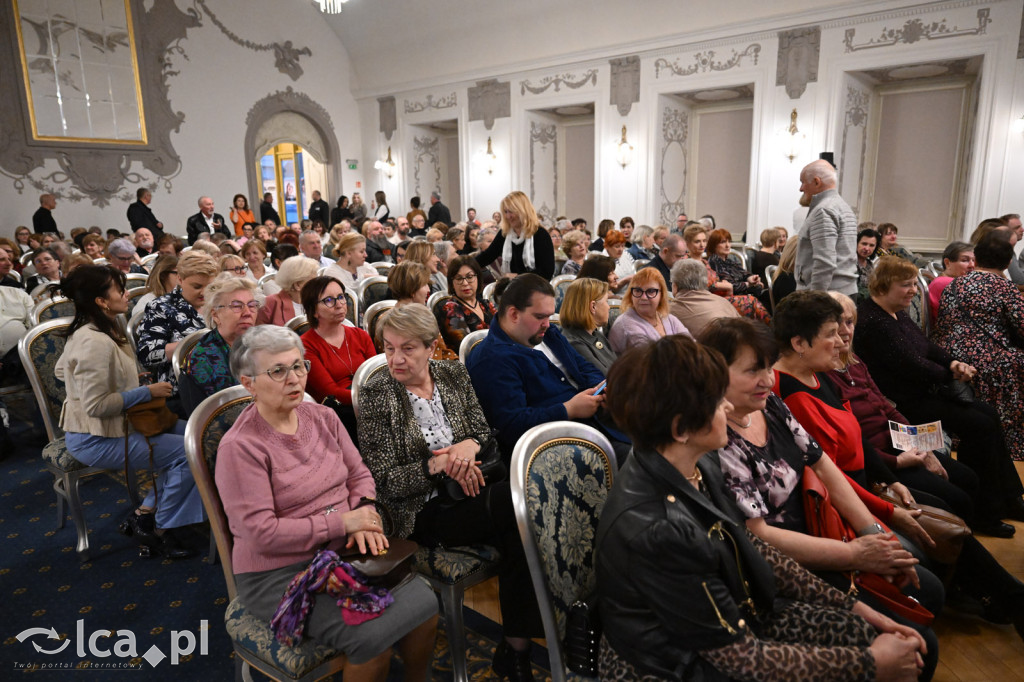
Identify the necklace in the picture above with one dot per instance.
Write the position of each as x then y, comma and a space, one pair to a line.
696, 477
743, 426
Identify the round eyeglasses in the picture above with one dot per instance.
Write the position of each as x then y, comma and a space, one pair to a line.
238, 307
238, 269
333, 301
471, 277
280, 372
651, 293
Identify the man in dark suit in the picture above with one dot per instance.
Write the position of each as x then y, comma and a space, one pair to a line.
42, 219
205, 221
267, 210
672, 249
141, 215
439, 213
320, 210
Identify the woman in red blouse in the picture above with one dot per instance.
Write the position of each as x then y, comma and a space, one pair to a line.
335, 350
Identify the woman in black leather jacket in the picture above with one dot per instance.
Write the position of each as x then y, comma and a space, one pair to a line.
685, 593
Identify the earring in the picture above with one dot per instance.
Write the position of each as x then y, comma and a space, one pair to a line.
801, 356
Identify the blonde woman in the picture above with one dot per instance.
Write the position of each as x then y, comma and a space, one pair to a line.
232, 264
521, 244
163, 279
254, 253
334, 236
351, 265
425, 254
584, 311
574, 246
287, 303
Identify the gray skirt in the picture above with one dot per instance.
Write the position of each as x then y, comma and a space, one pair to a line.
414, 604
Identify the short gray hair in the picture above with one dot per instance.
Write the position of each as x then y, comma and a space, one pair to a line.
224, 283
121, 247
294, 270
641, 232
264, 338
689, 274
412, 321
436, 195
309, 235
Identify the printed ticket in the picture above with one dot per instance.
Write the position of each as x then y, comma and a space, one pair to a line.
923, 436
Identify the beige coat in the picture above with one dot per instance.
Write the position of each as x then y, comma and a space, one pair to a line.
95, 371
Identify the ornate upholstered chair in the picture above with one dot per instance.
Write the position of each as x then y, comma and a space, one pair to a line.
40, 349
488, 292
52, 308
561, 283
182, 352
372, 290
382, 267
133, 298
469, 342
561, 474
614, 310
925, 303
372, 315
436, 304
299, 324
252, 639
352, 307
769, 280
133, 327
136, 280
449, 570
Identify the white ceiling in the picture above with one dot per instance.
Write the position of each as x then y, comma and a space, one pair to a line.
403, 44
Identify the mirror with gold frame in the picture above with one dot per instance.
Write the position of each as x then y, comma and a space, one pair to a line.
81, 72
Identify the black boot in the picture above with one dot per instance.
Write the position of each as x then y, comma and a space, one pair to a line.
142, 527
509, 664
169, 547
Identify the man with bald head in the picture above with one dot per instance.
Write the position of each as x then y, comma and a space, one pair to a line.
826, 257
42, 219
206, 221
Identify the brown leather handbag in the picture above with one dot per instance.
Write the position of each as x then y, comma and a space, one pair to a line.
948, 530
152, 417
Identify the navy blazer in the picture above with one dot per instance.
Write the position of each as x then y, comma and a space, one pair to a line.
519, 387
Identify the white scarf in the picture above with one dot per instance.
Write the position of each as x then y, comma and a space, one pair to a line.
506, 252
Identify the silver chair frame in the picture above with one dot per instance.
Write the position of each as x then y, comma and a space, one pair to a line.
184, 349
45, 305
469, 342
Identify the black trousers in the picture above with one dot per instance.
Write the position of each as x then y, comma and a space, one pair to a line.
958, 493
488, 518
982, 448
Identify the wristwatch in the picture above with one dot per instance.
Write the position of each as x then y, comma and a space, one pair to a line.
873, 529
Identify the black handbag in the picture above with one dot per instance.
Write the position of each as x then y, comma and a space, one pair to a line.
491, 466
960, 392
583, 637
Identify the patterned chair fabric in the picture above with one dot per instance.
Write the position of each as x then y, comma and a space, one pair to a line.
374, 291
614, 310
56, 454
561, 283
351, 309
373, 315
561, 475
452, 564
51, 309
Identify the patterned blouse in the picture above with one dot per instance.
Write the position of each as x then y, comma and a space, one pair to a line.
430, 415
168, 319
766, 479
732, 272
458, 320
571, 267
208, 364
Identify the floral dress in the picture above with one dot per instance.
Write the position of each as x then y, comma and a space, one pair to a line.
168, 319
981, 322
745, 304
457, 320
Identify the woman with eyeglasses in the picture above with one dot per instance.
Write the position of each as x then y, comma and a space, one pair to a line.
335, 349
229, 308
645, 316
232, 264
466, 311
292, 482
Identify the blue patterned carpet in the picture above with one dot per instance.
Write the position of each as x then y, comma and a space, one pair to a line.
44, 586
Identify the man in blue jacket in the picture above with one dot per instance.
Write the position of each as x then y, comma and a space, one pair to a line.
525, 373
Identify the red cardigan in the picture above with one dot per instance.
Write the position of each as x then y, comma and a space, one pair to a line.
277, 309
331, 368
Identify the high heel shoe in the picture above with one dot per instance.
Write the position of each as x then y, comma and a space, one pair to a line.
139, 526
512, 665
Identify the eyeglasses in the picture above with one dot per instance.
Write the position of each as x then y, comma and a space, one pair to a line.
651, 293
238, 307
332, 301
471, 277
238, 269
280, 372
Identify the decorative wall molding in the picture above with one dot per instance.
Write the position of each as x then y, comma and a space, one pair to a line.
286, 55
797, 66
388, 116
426, 150
446, 102
855, 118
569, 80
99, 172
932, 9
917, 29
675, 128
490, 100
625, 83
543, 135
705, 61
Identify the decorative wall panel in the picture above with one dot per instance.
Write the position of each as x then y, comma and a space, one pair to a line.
544, 167
704, 62
853, 146
799, 50
426, 165
673, 157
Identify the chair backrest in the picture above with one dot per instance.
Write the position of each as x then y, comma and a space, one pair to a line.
100, 261
353, 307
369, 367
52, 308
133, 327
183, 351
469, 342
299, 324
133, 298
372, 290
737, 254
561, 283
614, 310
26, 257
269, 277
15, 274
150, 259
488, 292
136, 280
769, 279
560, 477
39, 350
321, 271
935, 268
207, 425
436, 304
640, 263
554, 319
926, 304
435, 297
382, 267
372, 315
918, 311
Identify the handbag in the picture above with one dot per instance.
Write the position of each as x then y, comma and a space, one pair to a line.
960, 392
824, 521
391, 568
582, 643
948, 530
151, 418
491, 466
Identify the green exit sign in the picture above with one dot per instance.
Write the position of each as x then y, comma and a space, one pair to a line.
353, 164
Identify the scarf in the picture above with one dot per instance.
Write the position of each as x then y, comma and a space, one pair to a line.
506, 252
358, 601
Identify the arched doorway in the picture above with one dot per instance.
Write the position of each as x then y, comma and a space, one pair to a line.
290, 173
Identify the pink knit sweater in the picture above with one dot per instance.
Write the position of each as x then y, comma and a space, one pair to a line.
275, 488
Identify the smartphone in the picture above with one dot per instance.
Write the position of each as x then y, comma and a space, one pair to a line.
601, 387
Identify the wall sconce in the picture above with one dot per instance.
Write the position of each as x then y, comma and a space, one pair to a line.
490, 160
795, 139
624, 151
1018, 125
387, 166
331, 6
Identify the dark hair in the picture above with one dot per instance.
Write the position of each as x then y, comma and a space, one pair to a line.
802, 314
730, 335
624, 221
604, 226
986, 226
170, 239
886, 228
310, 296
954, 250
406, 278
598, 267
341, 200
869, 232
994, 250
654, 369
499, 288
459, 263
283, 252
245, 201
141, 192
415, 202
404, 245
520, 291
83, 286
39, 252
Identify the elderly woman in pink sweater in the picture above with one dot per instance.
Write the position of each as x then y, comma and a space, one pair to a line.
292, 484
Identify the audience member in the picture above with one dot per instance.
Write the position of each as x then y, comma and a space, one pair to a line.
615, 248
267, 210
643, 247
144, 243
601, 267
94, 246
692, 304
254, 253
140, 215
645, 316
466, 311
957, 260
121, 254
696, 236
887, 246
671, 250
163, 279
232, 264
15, 320
47, 265
240, 213
439, 213
768, 254
827, 258
291, 276
378, 248
351, 266
743, 281
42, 219
585, 310
574, 246
205, 222
425, 254
522, 245
311, 247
